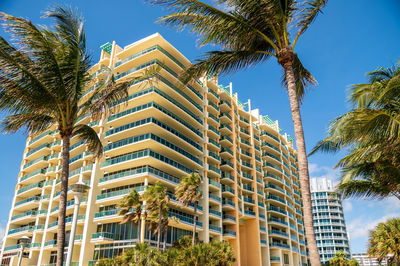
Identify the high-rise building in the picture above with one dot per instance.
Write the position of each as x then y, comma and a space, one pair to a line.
251, 193
329, 224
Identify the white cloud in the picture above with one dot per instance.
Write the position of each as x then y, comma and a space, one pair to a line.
360, 226
318, 171
2, 232
347, 206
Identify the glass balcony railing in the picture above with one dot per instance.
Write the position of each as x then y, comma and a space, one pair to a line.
145, 153
214, 197
229, 217
156, 138
213, 117
214, 169
42, 158
214, 142
28, 213
213, 93
277, 221
158, 123
47, 133
106, 213
228, 202
249, 212
103, 235
46, 145
139, 170
227, 175
277, 232
273, 208
277, 244
223, 162
37, 172
184, 219
215, 228
229, 232
215, 212
214, 183
228, 189
120, 192
214, 155
34, 198
25, 228
160, 108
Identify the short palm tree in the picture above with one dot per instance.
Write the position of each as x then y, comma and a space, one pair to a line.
384, 240
340, 259
131, 209
156, 203
43, 77
188, 192
371, 134
251, 32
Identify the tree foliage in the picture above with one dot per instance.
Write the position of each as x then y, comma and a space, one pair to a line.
247, 34
384, 241
188, 192
202, 254
370, 133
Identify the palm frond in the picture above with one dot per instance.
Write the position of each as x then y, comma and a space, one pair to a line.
109, 94
89, 135
309, 13
216, 62
40, 49
32, 122
69, 27
214, 26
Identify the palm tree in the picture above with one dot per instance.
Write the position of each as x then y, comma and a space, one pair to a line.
340, 259
250, 33
157, 200
131, 209
370, 132
384, 240
43, 77
188, 192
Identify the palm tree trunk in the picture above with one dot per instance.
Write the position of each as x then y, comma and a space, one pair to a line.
303, 165
165, 239
159, 229
194, 223
63, 200
138, 230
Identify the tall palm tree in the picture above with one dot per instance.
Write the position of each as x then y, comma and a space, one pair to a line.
370, 132
251, 32
384, 240
131, 209
156, 206
188, 192
43, 76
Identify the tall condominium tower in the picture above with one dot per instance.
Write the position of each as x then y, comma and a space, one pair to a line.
329, 224
251, 194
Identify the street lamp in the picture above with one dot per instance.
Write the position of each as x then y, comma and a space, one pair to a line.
23, 242
79, 190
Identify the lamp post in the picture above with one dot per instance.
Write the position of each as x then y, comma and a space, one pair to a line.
23, 242
79, 190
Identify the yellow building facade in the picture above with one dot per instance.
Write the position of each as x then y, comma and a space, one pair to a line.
166, 130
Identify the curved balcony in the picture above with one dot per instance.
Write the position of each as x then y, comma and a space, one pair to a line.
33, 177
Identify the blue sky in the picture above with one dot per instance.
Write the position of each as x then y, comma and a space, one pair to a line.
348, 40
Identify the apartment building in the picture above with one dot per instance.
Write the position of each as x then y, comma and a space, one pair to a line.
166, 130
365, 260
329, 223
